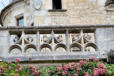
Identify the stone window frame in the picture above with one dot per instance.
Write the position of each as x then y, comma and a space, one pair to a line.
18, 17
57, 10
18, 21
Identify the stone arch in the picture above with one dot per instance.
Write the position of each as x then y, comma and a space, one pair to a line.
15, 50
45, 48
30, 47
75, 47
90, 45
60, 48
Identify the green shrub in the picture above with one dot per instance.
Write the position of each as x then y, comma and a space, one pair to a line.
81, 68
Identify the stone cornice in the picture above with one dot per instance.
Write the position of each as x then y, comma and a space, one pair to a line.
60, 27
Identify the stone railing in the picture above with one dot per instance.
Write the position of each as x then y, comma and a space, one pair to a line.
49, 43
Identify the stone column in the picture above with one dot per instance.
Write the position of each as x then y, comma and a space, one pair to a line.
82, 40
67, 41
38, 42
53, 50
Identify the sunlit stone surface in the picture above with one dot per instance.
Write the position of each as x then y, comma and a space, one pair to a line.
79, 30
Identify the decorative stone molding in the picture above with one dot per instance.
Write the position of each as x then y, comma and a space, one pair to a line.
31, 42
56, 42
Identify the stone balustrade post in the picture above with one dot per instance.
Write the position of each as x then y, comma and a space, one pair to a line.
67, 41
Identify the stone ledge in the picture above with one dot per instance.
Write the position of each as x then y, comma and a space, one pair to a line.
53, 57
57, 10
58, 27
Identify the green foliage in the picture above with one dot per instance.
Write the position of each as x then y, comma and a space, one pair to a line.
81, 68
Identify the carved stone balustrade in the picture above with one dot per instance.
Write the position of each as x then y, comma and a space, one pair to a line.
55, 42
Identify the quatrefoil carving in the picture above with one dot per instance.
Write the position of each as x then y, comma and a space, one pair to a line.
58, 39
23, 39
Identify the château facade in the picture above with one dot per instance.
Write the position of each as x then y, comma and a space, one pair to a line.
42, 30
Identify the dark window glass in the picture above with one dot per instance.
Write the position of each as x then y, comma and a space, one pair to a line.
20, 21
57, 4
110, 0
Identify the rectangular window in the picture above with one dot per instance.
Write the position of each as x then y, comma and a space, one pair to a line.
57, 4
20, 21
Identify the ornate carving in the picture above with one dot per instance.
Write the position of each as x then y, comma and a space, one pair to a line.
37, 4
23, 39
88, 37
75, 38
85, 40
59, 38
16, 38
46, 39
51, 40
22, 42
29, 39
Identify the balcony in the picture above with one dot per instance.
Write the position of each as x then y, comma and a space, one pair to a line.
50, 43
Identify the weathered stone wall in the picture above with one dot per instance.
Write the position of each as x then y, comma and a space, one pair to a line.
77, 12
105, 39
10, 15
31, 46
74, 12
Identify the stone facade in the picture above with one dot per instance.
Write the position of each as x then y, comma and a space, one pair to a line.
81, 29
73, 12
